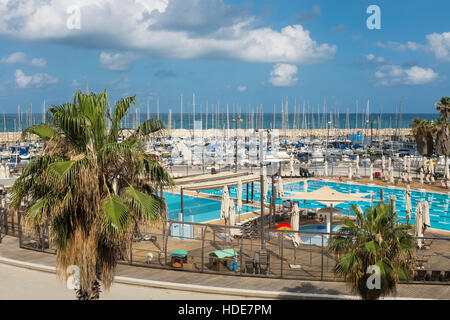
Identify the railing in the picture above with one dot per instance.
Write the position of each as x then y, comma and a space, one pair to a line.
308, 259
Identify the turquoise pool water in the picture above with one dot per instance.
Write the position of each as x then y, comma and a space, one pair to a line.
439, 203
315, 239
195, 208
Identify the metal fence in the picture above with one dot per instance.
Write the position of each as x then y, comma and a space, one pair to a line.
281, 257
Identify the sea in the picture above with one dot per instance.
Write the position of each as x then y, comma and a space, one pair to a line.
19, 122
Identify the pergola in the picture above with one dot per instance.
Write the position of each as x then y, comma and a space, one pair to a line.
214, 182
328, 197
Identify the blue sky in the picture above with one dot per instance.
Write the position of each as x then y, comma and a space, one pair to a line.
230, 51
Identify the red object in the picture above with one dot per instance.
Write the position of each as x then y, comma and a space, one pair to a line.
377, 174
284, 226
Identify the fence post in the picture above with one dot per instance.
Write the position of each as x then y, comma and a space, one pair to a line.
282, 254
165, 246
203, 248
240, 257
131, 251
321, 265
19, 218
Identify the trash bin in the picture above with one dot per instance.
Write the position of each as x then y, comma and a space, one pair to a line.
213, 171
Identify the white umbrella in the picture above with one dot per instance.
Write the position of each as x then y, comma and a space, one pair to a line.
232, 217
231, 213
2, 172
295, 223
350, 175
371, 172
357, 165
239, 196
391, 174
266, 187
325, 168
408, 203
280, 189
305, 186
225, 205
383, 162
421, 175
446, 169
426, 215
419, 225
394, 200
7, 173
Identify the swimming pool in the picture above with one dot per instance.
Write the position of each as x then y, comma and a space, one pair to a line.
196, 209
315, 239
439, 203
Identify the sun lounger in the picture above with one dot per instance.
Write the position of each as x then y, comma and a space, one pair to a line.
420, 275
446, 276
249, 267
262, 262
435, 275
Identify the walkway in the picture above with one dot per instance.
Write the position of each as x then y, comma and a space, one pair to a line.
219, 284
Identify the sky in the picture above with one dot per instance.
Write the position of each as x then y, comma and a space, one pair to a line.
241, 53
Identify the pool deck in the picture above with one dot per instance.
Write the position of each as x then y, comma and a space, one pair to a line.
240, 286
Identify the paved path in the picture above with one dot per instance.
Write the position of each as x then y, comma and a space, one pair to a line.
228, 285
26, 284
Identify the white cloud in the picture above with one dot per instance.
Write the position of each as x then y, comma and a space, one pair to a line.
372, 58
393, 45
163, 28
242, 88
37, 80
283, 75
436, 43
439, 44
22, 58
393, 75
117, 61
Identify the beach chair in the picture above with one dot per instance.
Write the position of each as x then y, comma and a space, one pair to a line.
420, 275
446, 276
435, 275
261, 261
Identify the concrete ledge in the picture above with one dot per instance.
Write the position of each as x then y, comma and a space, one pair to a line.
200, 288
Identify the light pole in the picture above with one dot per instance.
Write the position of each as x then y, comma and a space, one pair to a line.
262, 174
236, 121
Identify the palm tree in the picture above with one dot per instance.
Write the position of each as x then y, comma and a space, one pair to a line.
423, 131
375, 240
443, 128
90, 189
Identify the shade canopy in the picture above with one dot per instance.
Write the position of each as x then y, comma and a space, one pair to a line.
327, 196
222, 254
328, 210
